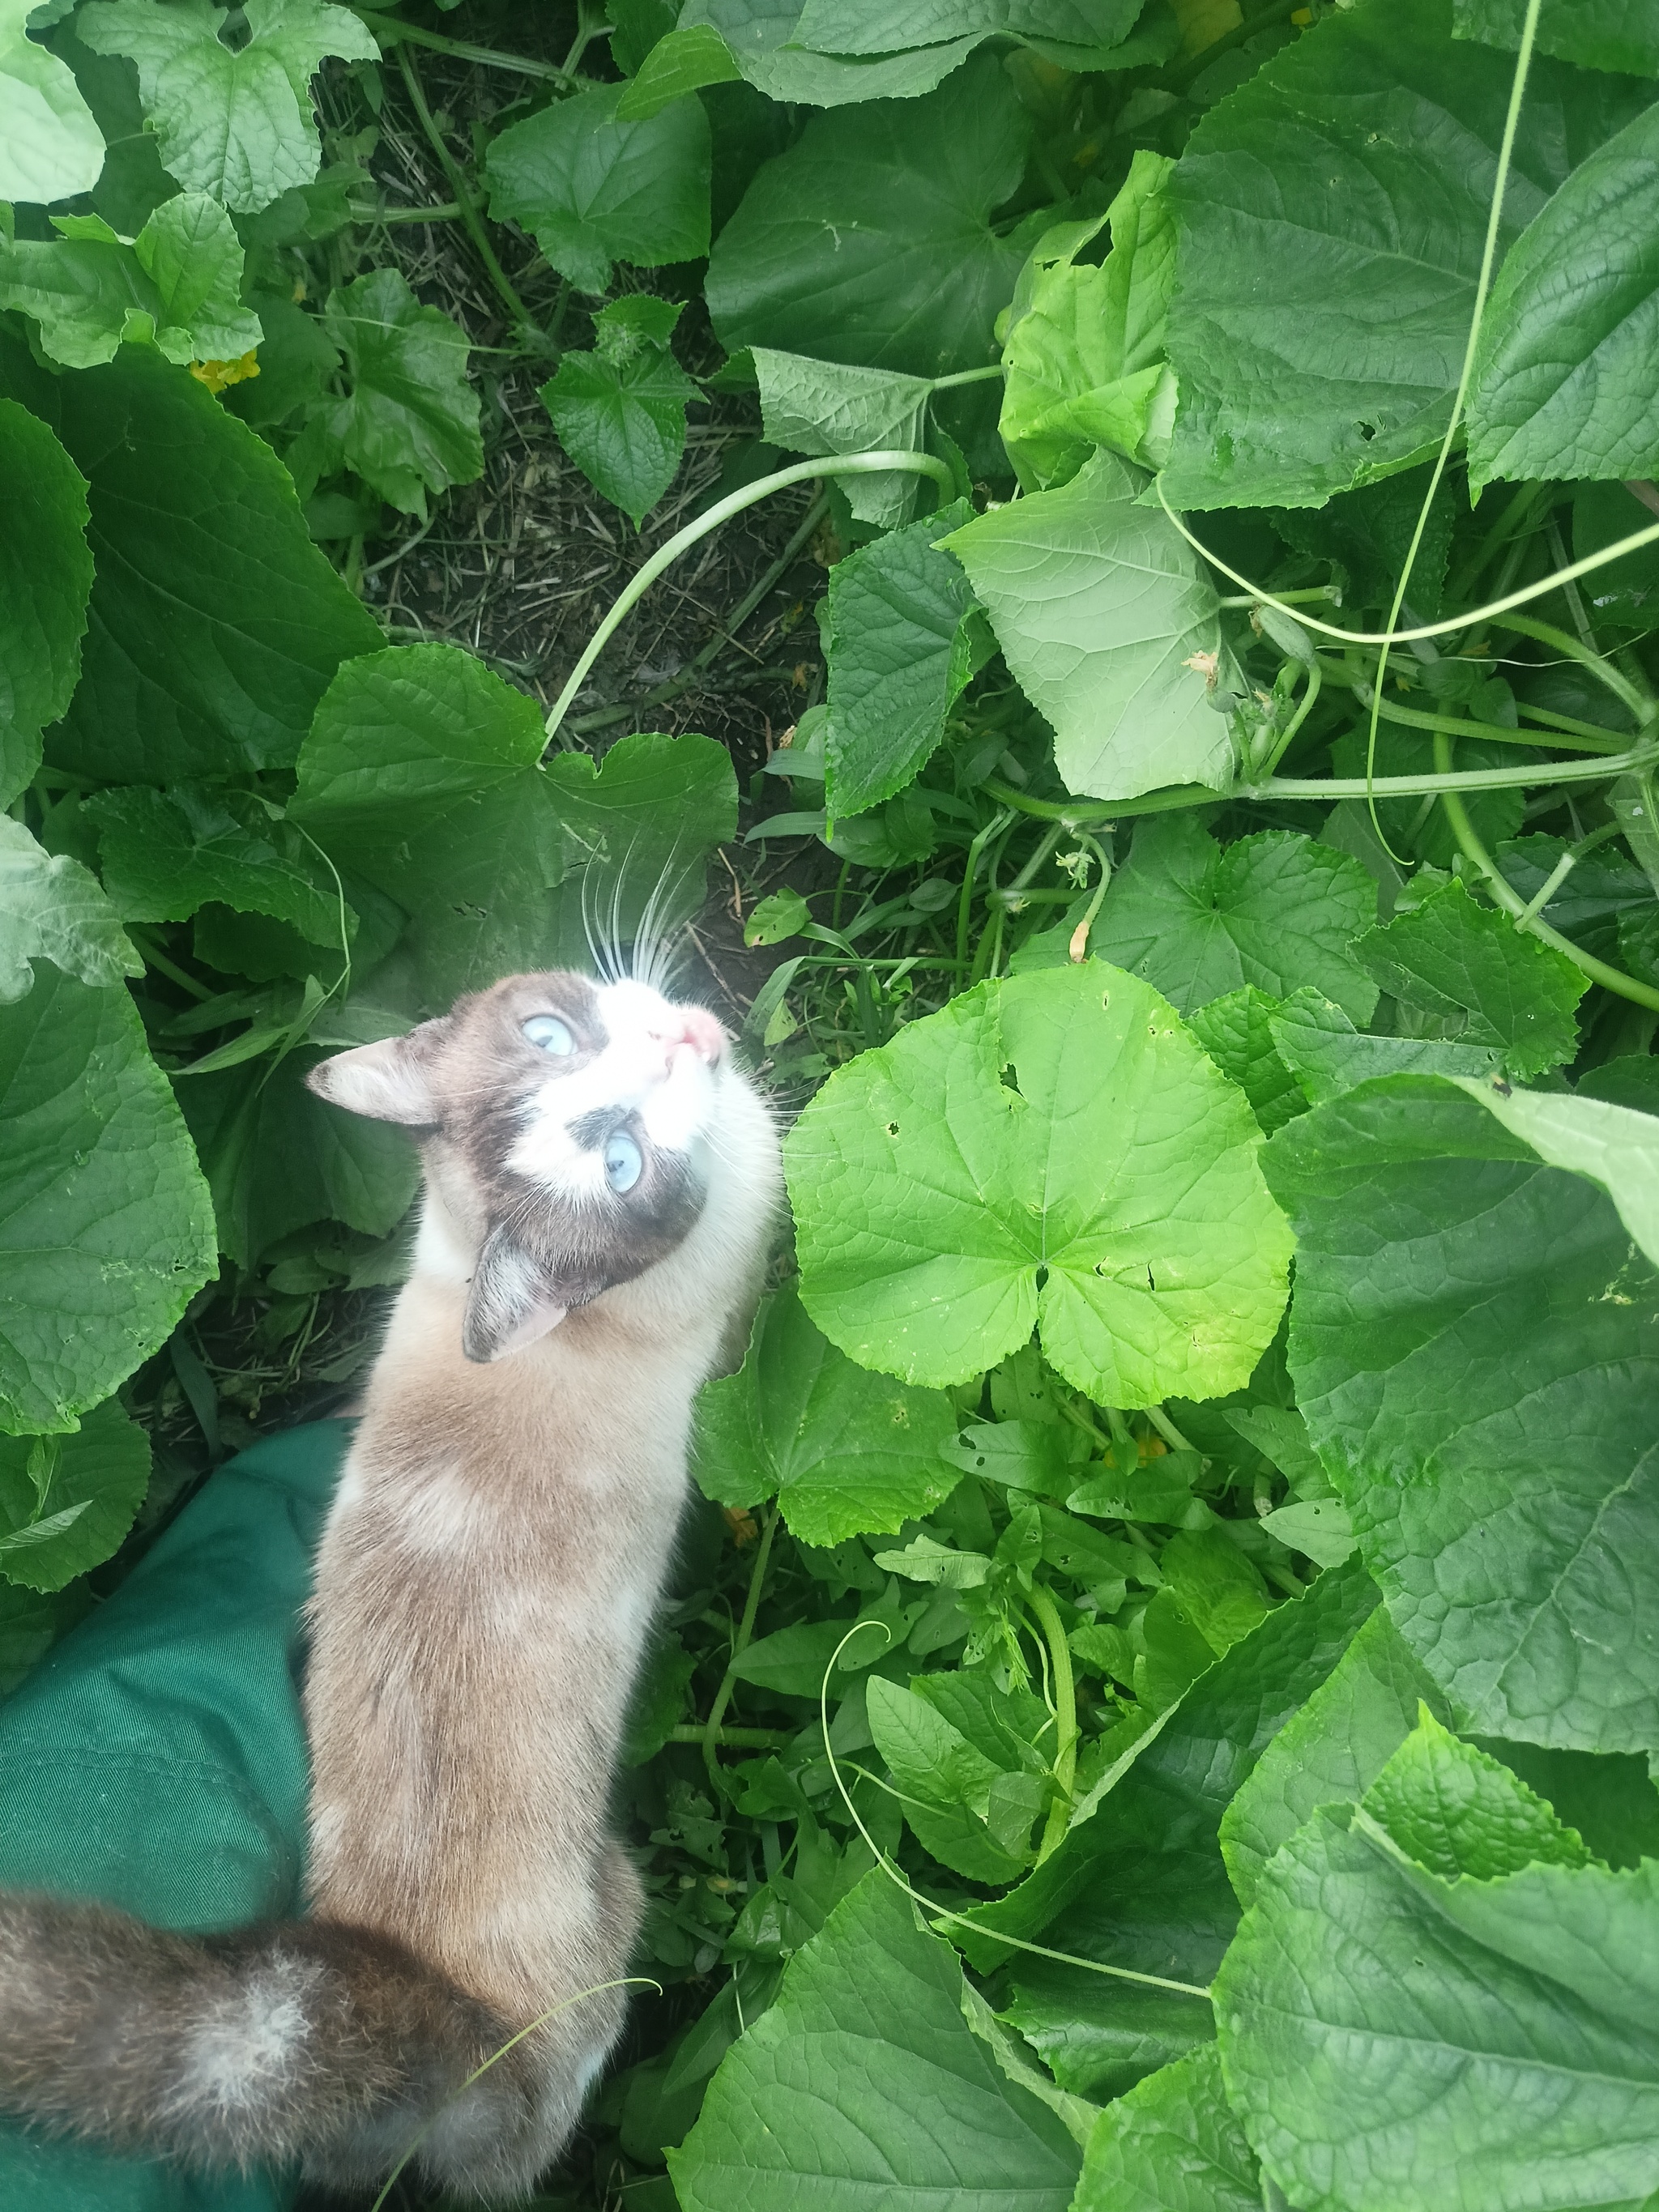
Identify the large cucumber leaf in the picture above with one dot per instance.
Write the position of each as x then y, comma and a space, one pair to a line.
1112, 1199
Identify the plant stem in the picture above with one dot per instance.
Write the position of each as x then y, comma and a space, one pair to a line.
711, 1729
1078, 813
1302, 599
463, 200
1412, 718
154, 957
722, 510
968, 376
446, 212
752, 598
1167, 1429
391, 31
1305, 706
1059, 1657
965, 901
1469, 844
1638, 707
735, 1739
1636, 542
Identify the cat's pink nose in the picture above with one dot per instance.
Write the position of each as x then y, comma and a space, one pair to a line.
692, 1026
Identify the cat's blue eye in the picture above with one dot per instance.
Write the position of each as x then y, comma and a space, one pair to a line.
549, 1034
623, 1163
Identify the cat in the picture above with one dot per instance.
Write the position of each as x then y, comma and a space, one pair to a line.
600, 1182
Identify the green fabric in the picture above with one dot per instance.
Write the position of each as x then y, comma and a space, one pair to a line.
156, 1759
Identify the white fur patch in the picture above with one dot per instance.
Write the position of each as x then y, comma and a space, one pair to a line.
248, 2040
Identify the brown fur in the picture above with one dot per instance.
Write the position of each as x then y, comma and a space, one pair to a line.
483, 1589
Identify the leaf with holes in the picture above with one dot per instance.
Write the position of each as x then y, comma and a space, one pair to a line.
1112, 1198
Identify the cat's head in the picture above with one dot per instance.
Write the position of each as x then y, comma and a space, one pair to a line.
568, 1126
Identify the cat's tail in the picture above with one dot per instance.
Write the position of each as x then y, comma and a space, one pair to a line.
294, 2041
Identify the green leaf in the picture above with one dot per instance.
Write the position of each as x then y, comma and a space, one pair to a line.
52, 149
1274, 910
53, 908
867, 27
1099, 2036
848, 1451
236, 123
191, 252
1471, 1342
1562, 382
1113, 1198
871, 241
46, 573
760, 35
1221, 1593
1100, 606
821, 2096
1331, 213
166, 854
1469, 964
1328, 1753
683, 61
639, 831
821, 407
105, 1233
215, 623
904, 645
1173, 2144
1613, 1146
620, 410
1321, 1529
948, 1786
1084, 360
1365, 1991
1600, 35
1139, 1879
794, 1660
277, 1157
1235, 1030
1327, 1055
67, 1501
1456, 1811
177, 286
780, 915
410, 424
593, 189
421, 772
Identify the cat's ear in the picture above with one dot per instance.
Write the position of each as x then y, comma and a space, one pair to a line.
384, 1082
510, 1301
